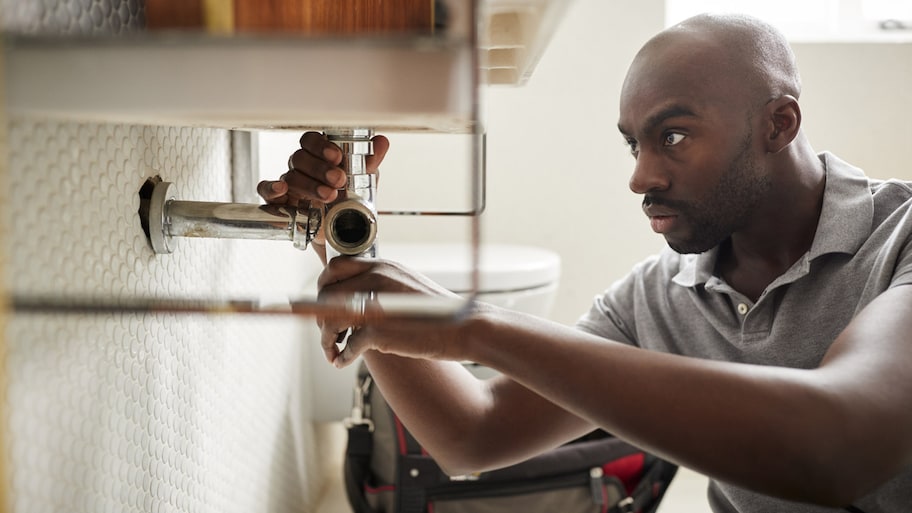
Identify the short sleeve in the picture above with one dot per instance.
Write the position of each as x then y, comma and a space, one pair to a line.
612, 314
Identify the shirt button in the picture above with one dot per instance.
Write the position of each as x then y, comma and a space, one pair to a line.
742, 308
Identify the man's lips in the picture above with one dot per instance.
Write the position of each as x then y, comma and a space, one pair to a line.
662, 224
661, 219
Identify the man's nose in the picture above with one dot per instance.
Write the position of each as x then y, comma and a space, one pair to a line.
648, 175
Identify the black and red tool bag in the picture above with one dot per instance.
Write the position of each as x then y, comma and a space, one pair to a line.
387, 471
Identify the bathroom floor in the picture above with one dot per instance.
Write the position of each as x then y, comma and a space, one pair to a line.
687, 493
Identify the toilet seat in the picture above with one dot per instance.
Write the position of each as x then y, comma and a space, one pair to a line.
503, 268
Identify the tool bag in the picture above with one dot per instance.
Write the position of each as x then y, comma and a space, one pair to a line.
387, 471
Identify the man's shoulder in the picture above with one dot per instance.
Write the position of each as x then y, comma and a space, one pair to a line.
892, 187
890, 197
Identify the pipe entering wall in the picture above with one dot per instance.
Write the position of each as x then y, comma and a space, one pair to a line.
350, 222
165, 218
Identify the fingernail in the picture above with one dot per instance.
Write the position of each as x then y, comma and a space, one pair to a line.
330, 153
278, 186
337, 177
324, 191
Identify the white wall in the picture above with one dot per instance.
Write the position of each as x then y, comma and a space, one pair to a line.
856, 102
145, 411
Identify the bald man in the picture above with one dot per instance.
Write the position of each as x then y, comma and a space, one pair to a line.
768, 347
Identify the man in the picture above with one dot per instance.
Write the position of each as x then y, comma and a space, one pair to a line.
768, 348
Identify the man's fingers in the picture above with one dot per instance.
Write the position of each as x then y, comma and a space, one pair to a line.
273, 191
381, 146
341, 269
355, 345
328, 338
317, 168
305, 186
319, 146
314, 172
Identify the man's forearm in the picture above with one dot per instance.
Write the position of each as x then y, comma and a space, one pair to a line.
755, 426
466, 424
439, 402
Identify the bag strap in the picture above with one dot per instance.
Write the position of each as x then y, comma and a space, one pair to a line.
360, 446
357, 464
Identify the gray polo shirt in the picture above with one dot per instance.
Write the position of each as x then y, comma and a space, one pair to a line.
674, 303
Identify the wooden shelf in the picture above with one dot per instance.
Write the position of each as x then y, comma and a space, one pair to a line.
274, 82
514, 35
245, 82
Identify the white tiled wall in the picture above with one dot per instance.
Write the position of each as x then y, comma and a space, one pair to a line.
72, 16
146, 412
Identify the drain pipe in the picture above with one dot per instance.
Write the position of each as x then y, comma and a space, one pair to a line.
350, 221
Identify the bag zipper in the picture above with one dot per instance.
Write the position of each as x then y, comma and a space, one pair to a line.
594, 478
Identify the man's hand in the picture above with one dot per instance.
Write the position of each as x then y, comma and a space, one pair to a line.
415, 338
314, 174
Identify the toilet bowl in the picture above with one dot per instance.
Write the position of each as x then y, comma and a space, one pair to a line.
522, 278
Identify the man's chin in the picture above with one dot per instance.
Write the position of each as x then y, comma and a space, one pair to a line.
690, 247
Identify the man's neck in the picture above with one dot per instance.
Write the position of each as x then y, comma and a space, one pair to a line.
782, 233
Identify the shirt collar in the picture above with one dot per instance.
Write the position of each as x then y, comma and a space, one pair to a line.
845, 221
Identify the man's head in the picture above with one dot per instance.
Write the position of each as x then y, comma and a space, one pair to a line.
703, 105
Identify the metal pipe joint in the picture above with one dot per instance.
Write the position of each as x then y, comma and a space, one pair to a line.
349, 222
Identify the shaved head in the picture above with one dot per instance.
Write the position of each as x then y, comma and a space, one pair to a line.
701, 108
748, 54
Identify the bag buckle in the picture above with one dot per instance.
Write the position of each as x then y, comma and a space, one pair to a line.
360, 415
625, 505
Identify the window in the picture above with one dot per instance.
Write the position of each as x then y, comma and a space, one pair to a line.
813, 20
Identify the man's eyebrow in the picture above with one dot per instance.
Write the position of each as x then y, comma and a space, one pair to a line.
653, 121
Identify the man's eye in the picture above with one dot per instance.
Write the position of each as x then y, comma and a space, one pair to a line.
673, 138
633, 146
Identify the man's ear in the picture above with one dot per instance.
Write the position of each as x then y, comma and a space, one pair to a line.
784, 122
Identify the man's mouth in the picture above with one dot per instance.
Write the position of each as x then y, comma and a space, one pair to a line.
662, 218
662, 224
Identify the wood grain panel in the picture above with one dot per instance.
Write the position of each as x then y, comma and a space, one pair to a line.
174, 14
318, 17
335, 16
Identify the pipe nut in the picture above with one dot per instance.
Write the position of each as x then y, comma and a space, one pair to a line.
351, 226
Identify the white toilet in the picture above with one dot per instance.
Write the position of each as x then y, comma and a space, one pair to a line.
522, 278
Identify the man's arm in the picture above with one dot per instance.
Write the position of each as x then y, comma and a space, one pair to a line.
467, 424
826, 435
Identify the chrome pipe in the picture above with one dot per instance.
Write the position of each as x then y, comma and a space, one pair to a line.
350, 222
229, 220
169, 218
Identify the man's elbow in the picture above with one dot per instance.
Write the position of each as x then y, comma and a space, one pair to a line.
834, 491
469, 455
459, 460
842, 473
